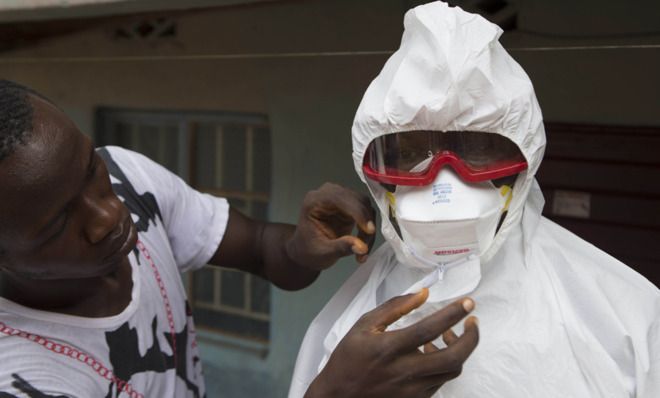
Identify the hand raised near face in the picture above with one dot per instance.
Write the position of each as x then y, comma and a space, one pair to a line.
372, 362
325, 228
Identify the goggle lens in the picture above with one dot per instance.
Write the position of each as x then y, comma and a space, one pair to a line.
415, 158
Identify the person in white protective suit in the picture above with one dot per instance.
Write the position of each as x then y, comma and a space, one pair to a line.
448, 138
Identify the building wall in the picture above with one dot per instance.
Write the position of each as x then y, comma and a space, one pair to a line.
310, 101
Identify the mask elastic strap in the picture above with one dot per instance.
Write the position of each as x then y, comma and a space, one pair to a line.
506, 190
391, 201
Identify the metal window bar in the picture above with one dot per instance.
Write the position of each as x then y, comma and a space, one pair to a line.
249, 197
249, 149
233, 310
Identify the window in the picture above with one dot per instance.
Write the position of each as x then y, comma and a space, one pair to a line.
223, 154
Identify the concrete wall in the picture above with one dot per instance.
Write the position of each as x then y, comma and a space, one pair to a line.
310, 101
591, 80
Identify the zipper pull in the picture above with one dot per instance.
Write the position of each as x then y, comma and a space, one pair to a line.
441, 271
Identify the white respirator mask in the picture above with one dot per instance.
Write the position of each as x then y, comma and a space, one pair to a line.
449, 220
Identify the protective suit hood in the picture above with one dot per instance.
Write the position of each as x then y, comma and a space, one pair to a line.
452, 74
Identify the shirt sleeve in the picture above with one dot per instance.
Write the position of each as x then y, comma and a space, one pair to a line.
195, 222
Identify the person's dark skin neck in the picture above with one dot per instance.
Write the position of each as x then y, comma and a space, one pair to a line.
64, 234
93, 297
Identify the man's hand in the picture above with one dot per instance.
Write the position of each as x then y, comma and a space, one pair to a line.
370, 362
292, 257
324, 232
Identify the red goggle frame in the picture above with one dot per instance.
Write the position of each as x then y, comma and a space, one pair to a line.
425, 177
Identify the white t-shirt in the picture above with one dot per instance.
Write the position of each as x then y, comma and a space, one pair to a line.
149, 349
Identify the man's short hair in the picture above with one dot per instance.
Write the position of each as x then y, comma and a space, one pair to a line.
15, 116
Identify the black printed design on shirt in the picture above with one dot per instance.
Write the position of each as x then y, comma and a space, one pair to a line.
126, 360
144, 206
26, 388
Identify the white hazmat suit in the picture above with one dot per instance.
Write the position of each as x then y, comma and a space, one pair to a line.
558, 317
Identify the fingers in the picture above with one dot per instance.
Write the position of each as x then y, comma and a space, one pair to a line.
352, 244
436, 381
449, 337
450, 359
367, 233
367, 237
359, 207
346, 245
378, 319
356, 205
430, 347
429, 328
359, 245
356, 208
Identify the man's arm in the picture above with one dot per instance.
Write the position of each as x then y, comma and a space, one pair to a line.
291, 257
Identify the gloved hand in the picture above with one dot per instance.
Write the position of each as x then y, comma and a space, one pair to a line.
324, 231
372, 362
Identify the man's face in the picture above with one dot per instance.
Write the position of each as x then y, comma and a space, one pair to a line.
59, 217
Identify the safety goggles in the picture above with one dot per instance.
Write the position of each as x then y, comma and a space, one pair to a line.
415, 157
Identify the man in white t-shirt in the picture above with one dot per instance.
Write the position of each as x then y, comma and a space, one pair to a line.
92, 243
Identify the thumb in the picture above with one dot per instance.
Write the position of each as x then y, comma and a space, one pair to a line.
349, 244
